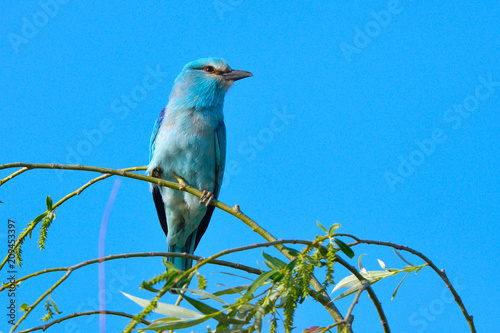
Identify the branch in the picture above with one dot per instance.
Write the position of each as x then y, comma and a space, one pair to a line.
78, 314
440, 273
70, 270
17, 173
276, 243
324, 300
32, 226
247, 269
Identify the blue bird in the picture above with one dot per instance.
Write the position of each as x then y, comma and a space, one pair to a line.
189, 141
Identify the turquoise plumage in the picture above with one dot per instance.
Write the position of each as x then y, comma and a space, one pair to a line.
189, 140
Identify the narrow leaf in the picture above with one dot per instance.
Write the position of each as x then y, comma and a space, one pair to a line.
382, 264
362, 270
205, 294
258, 282
48, 200
177, 324
166, 309
401, 257
55, 306
321, 226
344, 248
396, 291
354, 284
274, 261
39, 218
230, 291
208, 310
292, 252
313, 261
333, 228
148, 287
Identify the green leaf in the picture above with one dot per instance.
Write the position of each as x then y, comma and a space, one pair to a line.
360, 264
312, 260
355, 285
24, 307
292, 252
401, 257
177, 324
169, 265
206, 295
321, 226
166, 309
48, 200
333, 228
344, 248
396, 291
382, 264
258, 282
291, 265
55, 306
39, 218
148, 287
272, 262
230, 291
208, 310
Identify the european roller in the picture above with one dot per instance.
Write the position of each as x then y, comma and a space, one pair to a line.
189, 141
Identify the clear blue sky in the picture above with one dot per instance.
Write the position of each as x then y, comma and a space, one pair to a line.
392, 131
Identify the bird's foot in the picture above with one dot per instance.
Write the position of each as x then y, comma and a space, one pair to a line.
182, 182
206, 198
156, 172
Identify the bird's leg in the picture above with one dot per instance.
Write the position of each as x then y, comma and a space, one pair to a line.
181, 181
206, 198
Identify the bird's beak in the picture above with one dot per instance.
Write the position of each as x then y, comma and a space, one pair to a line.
235, 75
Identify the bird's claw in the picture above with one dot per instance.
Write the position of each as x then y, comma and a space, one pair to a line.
206, 198
182, 183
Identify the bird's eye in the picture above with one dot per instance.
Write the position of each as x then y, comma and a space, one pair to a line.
209, 69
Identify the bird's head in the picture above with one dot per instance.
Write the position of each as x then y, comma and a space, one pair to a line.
204, 82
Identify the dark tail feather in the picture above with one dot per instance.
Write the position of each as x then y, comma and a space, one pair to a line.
183, 263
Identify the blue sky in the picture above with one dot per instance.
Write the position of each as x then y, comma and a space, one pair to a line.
381, 116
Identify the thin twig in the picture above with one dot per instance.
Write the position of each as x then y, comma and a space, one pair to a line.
371, 293
78, 314
185, 274
365, 284
32, 226
324, 299
17, 173
440, 273
245, 268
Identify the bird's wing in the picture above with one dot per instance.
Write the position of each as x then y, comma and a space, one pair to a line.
220, 162
160, 206
156, 127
